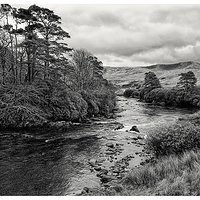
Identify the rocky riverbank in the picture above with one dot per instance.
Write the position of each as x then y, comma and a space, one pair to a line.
117, 160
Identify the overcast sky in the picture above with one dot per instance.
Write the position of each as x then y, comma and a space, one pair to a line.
132, 35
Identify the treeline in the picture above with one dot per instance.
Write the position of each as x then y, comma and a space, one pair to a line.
185, 93
41, 78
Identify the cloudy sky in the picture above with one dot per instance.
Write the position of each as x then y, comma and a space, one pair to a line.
133, 35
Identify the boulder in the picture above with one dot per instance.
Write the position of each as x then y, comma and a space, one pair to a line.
134, 128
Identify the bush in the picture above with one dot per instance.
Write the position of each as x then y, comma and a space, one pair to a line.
131, 93
174, 139
92, 101
67, 106
21, 117
106, 100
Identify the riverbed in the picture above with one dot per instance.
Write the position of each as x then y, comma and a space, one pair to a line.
59, 163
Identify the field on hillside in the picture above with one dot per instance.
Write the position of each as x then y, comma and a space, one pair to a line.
167, 74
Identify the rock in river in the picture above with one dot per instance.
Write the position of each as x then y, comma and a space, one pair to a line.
135, 128
92, 162
111, 145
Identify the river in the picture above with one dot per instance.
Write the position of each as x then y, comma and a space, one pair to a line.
57, 164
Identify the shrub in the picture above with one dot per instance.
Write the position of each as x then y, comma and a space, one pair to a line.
21, 117
92, 102
106, 100
128, 92
174, 139
67, 105
131, 92
156, 95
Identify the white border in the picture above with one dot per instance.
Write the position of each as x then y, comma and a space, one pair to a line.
101, 1
30, 2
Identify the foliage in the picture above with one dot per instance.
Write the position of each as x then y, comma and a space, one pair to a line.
151, 82
17, 117
174, 139
187, 80
131, 92
41, 78
84, 71
186, 93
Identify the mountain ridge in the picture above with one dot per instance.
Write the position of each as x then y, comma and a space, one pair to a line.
167, 73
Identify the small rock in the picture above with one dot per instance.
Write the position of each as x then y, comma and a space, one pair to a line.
100, 160
103, 171
106, 178
140, 137
141, 143
111, 145
119, 126
106, 185
142, 163
110, 153
92, 162
85, 190
97, 168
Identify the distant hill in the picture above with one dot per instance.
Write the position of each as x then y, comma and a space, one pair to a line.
167, 73
180, 65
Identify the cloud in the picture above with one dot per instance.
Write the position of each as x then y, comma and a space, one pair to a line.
123, 35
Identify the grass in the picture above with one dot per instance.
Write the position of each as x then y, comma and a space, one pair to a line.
173, 175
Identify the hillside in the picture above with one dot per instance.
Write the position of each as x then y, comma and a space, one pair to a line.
167, 73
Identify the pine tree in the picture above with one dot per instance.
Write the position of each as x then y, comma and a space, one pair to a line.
187, 80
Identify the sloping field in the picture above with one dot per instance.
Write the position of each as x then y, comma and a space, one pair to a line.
167, 73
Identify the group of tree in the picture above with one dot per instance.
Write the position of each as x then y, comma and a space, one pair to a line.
33, 46
185, 93
41, 78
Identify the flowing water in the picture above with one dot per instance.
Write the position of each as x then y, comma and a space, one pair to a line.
57, 164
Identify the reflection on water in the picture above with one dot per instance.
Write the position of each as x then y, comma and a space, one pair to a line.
29, 168
56, 164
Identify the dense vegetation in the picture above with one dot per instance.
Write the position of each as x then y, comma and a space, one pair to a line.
185, 93
42, 80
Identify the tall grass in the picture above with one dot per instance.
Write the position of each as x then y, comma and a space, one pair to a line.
172, 175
